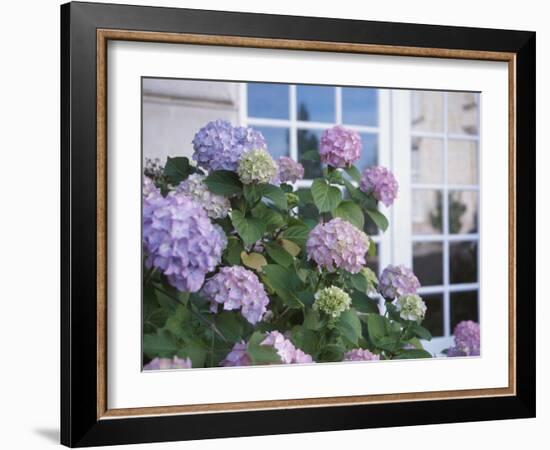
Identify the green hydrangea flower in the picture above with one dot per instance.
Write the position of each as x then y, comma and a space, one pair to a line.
257, 166
332, 300
411, 307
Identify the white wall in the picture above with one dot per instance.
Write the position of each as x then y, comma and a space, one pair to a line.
29, 111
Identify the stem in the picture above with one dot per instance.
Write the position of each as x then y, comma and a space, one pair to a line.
197, 314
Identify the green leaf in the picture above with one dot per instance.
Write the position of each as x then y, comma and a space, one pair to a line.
161, 344
290, 247
250, 229
364, 304
372, 249
355, 193
272, 218
195, 350
325, 197
306, 297
278, 254
378, 218
297, 234
421, 332
224, 182
282, 280
178, 169
376, 325
359, 281
413, 354
261, 354
252, 193
306, 340
253, 260
164, 300
275, 194
349, 211
312, 320
354, 173
311, 155
229, 326
232, 253
349, 325
176, 320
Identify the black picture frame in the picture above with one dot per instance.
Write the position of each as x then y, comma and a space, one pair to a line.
80, 425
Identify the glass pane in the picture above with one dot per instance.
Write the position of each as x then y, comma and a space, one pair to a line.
463, 212
268, 100
309, 140
373, 262
433, 321
369, 153
463, 115
428, 263
463, 262
277, 140
427, 111
427, 211
462, 162
360, 106
315, 103
463, 307
427, 160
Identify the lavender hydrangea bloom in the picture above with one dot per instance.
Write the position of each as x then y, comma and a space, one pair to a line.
467, 339
338, 244
237, 356
290, 171
237, 288
340, 147
396, 281
381, 183
180, 240
219, 145
359, 354
149, 188
216, 206
168, 363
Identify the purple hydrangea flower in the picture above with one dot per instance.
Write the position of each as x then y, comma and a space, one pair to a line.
168, 363
180, 240
359, 354
237, 288
286, 350
338, 244
290, 171
467, 339
396, 281
379, 182
340, 147
149, 188
216, 206
219, 145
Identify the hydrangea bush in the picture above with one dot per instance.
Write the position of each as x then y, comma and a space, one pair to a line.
233, 275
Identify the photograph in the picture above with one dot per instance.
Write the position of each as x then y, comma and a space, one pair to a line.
282, 225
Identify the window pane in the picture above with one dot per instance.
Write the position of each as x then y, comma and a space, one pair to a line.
373, 262
427, 211
360, 106
462, 162
427, 111
309, 140
428, 263
369, 153
463, 307
433, 321
463, 112
463, 262
463, 212
427, 160
268, 100
277, 140
315, 103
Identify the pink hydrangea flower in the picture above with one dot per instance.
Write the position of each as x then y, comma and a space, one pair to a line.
290, 171
338, 244
467, 339
359, 354
237, 356
381, 183
168, 363
396, 281
340, 147
235, 287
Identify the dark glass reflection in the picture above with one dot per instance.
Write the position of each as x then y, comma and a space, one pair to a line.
309, 140
463, 212
464, 307
428, 263
463, 262
433, 321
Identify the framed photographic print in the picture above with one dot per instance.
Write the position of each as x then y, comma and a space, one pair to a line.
277, 224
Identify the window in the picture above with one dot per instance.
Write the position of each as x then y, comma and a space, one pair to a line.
292, 119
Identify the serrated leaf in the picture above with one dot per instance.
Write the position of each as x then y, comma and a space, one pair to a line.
413, 354
224, 182
229, 326
178, 169
278, 254
421, 332
272, 218
364, 304
250, 229
304, 339
353, 172
275, 194
325, 197
253, 260
232, 253
378, 218
261, 354
252, 193
349, 325
282, 280
376, 325
290, 247
297, 234
350, 212
161, 344
195, 350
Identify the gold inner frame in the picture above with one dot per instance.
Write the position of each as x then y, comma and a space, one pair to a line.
103, 36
